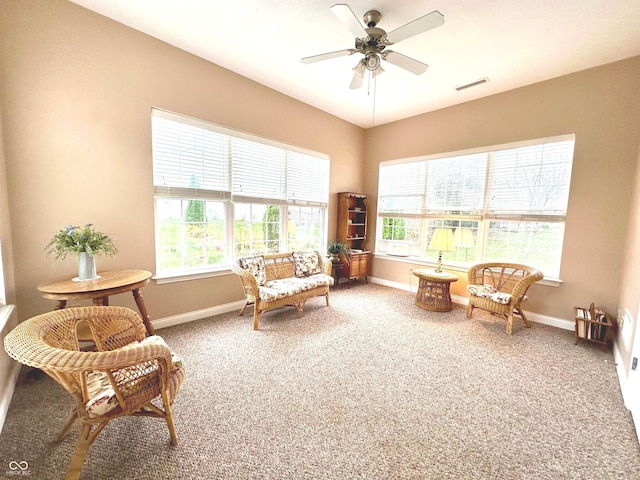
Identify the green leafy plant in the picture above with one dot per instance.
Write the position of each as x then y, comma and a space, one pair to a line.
336, 248
72, 239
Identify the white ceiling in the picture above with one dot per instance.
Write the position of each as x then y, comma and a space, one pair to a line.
512, 42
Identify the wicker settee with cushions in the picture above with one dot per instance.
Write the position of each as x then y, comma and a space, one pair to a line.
500, 288
275, 280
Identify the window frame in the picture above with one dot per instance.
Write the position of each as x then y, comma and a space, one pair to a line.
483, 215
297, 163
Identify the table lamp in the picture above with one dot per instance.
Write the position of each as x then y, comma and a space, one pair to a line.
442, 241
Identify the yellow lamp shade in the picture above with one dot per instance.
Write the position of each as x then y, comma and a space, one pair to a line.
442, 240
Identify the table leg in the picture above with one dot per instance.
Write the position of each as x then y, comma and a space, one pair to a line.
101, 301
143, 311
60, 304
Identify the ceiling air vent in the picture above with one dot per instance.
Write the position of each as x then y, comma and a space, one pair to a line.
472, 84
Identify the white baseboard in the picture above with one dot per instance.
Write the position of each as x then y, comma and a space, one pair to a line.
197, 314
534, 317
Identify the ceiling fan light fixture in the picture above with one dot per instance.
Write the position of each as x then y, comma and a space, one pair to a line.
372, 61
359, 68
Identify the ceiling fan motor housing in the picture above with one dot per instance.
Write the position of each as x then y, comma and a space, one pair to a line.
373, 41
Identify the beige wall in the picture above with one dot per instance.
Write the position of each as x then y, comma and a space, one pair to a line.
630, 279
602, 107
76, 91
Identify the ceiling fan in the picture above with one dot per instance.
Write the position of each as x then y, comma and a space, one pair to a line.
372, 42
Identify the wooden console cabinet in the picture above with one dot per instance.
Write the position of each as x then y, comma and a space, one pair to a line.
352, 231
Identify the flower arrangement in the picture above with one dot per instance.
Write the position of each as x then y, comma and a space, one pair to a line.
72, 239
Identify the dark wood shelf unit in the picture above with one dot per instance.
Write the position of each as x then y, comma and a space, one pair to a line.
352, 219
352, 231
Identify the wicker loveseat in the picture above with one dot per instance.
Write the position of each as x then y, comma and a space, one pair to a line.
500, 288
275, 280
129, 374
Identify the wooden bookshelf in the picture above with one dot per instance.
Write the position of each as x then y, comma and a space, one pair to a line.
593, 325
352, 219
352, 231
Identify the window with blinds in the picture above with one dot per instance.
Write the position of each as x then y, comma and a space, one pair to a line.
220, 194
505, 203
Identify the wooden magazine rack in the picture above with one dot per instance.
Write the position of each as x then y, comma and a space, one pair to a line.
593, 325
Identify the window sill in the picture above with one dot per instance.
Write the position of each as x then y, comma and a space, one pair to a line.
549, 282
5, 315
193, 275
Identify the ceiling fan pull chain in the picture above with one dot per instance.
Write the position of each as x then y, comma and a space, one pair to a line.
373, 114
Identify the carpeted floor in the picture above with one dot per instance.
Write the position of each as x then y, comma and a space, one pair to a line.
372, 387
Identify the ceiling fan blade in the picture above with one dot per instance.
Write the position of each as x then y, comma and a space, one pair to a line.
407, 63
419, 25
329, 55
349, 19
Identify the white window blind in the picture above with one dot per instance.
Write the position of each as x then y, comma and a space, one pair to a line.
530, 180
307, 179
510, 183
189, 161
402, 188
258, 172
456, 184
195, 159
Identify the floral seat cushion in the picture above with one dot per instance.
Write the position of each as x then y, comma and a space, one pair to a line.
285, 287
490, 292
102, 396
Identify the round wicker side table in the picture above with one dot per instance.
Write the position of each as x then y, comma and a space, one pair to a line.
433, 289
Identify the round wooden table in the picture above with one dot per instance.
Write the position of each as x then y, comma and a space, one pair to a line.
99, 290
433, 289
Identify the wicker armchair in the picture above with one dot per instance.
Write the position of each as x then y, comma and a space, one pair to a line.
500, 288
121, 378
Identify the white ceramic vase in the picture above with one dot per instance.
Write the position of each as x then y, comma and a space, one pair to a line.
86, 266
